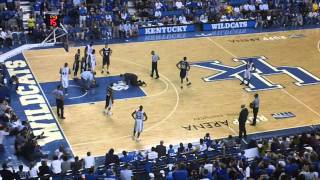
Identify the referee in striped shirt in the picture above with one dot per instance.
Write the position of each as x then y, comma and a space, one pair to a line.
155, 58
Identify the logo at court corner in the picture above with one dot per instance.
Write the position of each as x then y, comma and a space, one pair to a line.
120, 86
259, 81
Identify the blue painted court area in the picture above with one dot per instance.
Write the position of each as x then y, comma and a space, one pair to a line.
77, 95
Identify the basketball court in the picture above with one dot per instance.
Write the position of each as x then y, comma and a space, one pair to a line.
287, 80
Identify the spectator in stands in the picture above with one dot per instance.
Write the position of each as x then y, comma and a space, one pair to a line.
158, 5
152, 155
56, 165
125, 157
183, 19
4, 131
157, 14
3, 36
44, 171
76, 166
5, 173
229, 142
181, 149
161, 149
179, 4
275, 145
126, 173
190, 148
82, 15
31, 24
171, 151
33, 171
127, 29
180, 173
20, 174
89, 161
202, 146
90, 175
65, 164
111, 158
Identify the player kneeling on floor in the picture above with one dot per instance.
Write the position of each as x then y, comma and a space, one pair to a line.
87, 80
132, 79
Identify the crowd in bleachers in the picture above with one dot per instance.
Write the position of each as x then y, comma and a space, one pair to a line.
25, 142
268, 13
101, 19
293, 157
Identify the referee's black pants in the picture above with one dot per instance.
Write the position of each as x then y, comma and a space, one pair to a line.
154, 67
60, 107
242, 130
255, 114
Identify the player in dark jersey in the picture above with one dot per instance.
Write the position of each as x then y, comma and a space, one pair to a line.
83, 64
76, 63
184, 67
105, 53
109, 101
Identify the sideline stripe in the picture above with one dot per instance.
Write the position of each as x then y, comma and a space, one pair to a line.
56, 119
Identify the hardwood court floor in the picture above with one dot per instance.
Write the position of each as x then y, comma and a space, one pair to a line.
203, 106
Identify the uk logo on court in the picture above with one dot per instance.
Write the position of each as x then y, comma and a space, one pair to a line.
259, 81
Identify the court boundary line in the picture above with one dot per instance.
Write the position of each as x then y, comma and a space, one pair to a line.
318, 47
283, 90
47, 102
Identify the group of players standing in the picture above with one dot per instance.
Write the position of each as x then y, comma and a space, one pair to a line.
87, 66
87, 63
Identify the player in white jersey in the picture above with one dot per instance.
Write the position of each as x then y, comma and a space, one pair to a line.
250, 68
93, 61
64, 77
139, 116
88, 51
89, 48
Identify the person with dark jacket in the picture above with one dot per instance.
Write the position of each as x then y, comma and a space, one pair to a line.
255, 108
243, 116
5, 173
76, 166
111, 158
44, 171
161, 149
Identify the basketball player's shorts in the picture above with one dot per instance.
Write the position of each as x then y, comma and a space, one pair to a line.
93, 65
138, 125
65, 82
109, 104
106, 61
183, 73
